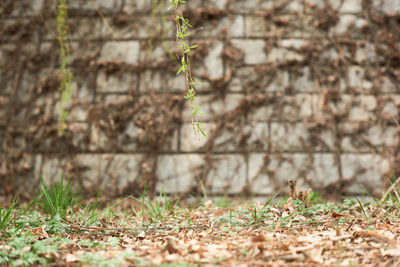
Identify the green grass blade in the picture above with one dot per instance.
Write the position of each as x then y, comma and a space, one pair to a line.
269, 200
362, 208
6, 218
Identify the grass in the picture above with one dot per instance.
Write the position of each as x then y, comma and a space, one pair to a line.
57, 229
57, 199
5, 215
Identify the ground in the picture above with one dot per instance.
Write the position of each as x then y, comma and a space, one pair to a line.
219, 232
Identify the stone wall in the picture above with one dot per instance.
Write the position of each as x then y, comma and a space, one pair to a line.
305, 89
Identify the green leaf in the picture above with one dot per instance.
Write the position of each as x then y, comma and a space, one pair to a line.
182, 68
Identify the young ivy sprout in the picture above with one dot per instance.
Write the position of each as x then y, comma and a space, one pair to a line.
182, 32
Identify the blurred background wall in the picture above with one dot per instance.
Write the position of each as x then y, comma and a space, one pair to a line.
304, 89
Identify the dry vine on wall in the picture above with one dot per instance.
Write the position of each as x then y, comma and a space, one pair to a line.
147, 119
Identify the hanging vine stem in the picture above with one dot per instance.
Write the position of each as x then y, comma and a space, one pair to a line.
182, 32
66, 76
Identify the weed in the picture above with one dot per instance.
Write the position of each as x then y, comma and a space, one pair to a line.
25, 249
203, 190
56, 225
257, 216
90, 212
362, 208
5, 215
56, 199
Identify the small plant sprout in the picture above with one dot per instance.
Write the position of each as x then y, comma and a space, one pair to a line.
182, 32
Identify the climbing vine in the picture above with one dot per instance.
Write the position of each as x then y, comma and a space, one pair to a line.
182, 32
65, 86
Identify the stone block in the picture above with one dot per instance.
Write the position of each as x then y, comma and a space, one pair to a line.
369, 170
259, 136
120, 82
293, 43
212, 107
348, 24
249, 79
325, 171
322, 108
366, 54
13, 30
257, 26
389, 7
213, 61
329, 54
105, 171
236, 27
100, 141
37, 165
130, 139
1, 136
27, 8
388, 85
80, 134
217, 4
281, 55
26, 88
140, 6
82, 89
345, 6
178, 173
4, 100
357, 137
261, 179
226, 138
282, 26
355, 108
53, 169
161, 81
104, 6
112, 99
269, 173
279, 83
121, 51
232, 26
135, 27
78, 112
301, 137
351, 6
252, 5
82, 28
363, 108
285, 108
191, 140
390, 105
254, 51
303, 81
295, 6
357, 80
227, 174
156, 55
124, 169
